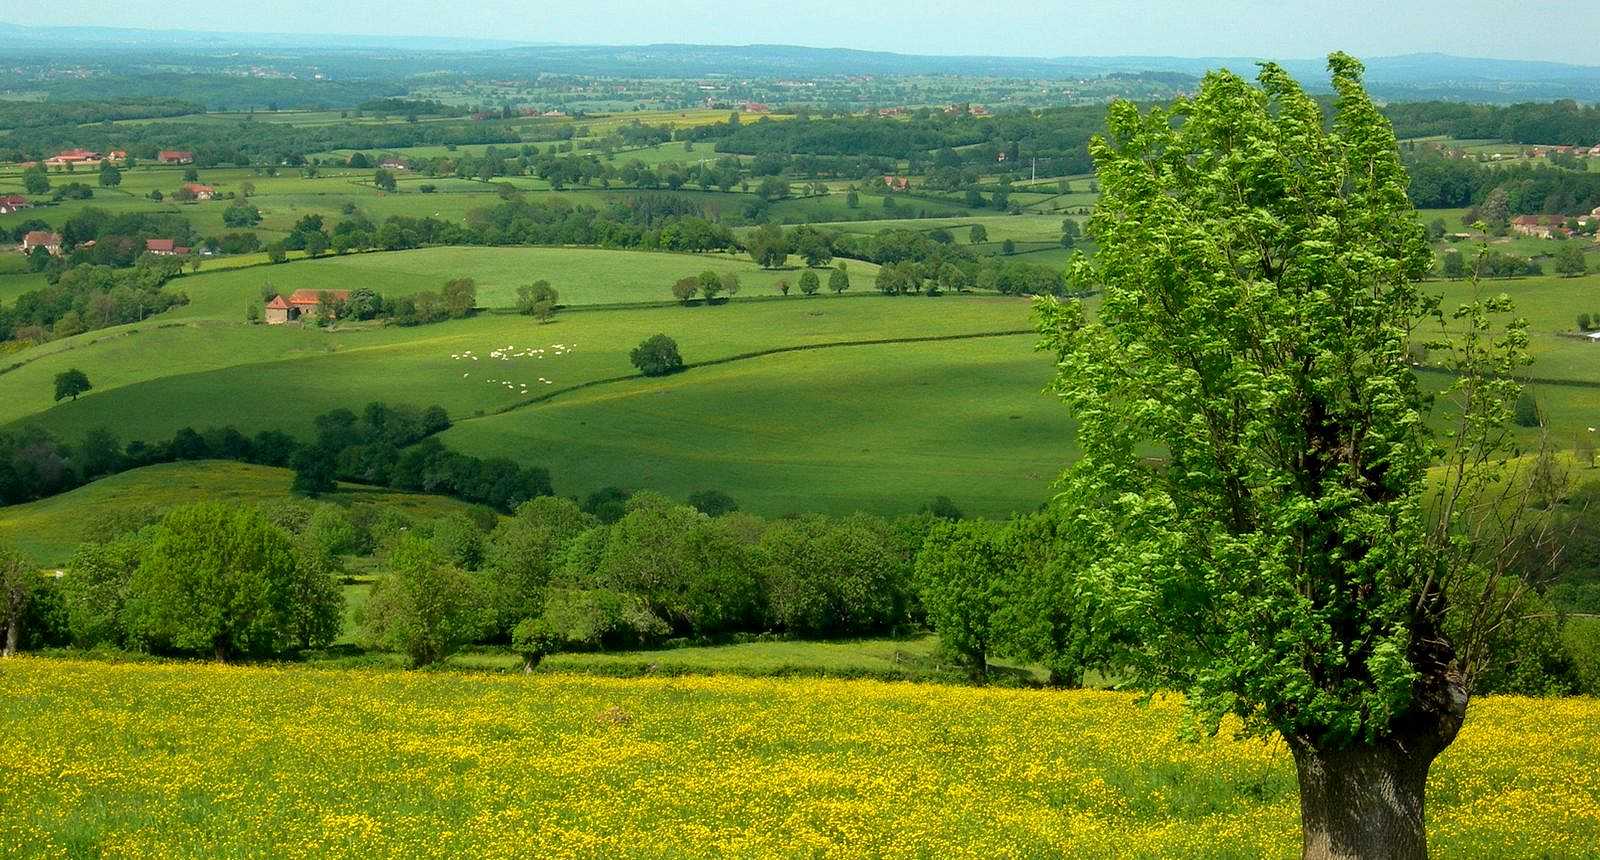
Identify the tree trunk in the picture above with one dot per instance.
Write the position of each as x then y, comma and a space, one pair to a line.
1364, 802
13, 634
219, 649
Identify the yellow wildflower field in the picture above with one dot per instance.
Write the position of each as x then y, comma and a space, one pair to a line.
190, 760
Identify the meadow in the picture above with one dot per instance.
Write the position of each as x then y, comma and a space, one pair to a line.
819, 429
582, 276
164, 760
47, 531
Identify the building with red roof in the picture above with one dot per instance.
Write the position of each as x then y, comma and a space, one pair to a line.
160, 247
200, 192
175, 156
45, 239
279, 312
10, 203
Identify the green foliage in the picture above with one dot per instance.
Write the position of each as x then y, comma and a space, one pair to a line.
839, 279
978, 234
768, 246
95, 588
215, 579
657, 355
458, 541
424, 608
523, 553
1570, 261
713, 503
537, 300
19, 582
71, 383
1276, 561
809, 282
832, 577
961, 578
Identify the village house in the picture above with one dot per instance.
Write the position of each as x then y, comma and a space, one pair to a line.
45, 239
166, 248
278, 311
1530, 225
117, 155
896, 183
754, 107
10, 203
200, 192
72, 156
175, 156
301, 304
393, 164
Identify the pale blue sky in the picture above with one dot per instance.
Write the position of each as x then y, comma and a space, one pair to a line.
1562, 30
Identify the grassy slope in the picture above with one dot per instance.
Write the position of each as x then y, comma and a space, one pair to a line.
47, 530
879, 427
583, 276
376, 763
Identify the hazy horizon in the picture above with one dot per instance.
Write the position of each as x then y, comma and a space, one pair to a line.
1560, 31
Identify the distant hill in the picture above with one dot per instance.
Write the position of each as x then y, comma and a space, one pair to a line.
1408, 76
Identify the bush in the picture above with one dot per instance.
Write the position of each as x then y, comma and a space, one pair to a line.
657, 355
423, 607
214, 579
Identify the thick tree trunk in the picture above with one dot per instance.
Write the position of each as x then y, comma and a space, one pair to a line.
13, 635
1364, 802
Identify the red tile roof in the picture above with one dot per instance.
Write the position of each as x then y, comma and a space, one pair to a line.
278, 304
13, 200
158, 245
314, 297
41, 237
174, 155
198, 188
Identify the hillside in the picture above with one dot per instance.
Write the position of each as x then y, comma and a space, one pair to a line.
375, 763
46, 531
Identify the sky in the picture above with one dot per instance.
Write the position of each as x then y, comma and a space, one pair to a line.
1559, 30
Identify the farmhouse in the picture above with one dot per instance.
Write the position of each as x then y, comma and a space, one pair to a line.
896, 183
117, 155
51, 242
301, 304
165, 248
278, 311
10, 203
1529, 225
72, 156
200, 192
175, 156
393, 164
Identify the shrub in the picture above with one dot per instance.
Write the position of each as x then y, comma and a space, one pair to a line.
423, 607
657, 355
1526, 412
215, 579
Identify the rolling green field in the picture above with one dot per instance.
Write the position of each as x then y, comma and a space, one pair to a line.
826, 429
46, 531
583, 276
165, 760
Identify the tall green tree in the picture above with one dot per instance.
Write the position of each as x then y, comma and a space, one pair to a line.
1254, 487
214, 578
961, 576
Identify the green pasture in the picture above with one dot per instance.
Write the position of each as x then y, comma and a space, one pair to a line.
46, 531
582, 276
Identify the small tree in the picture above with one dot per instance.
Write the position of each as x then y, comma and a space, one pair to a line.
110, 176
1569, 260
18, 582
657, 355
534, 639
537, 300
978, 234
809, 282
1453, 265
35, 180
1008, 247
961, 581
783, 286
277, 252
713, 503
423, 607
730, 284
710, 285
685, 289
839, 279
384, 179
71, 383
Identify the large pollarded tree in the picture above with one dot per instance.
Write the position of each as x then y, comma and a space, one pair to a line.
1265, 505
